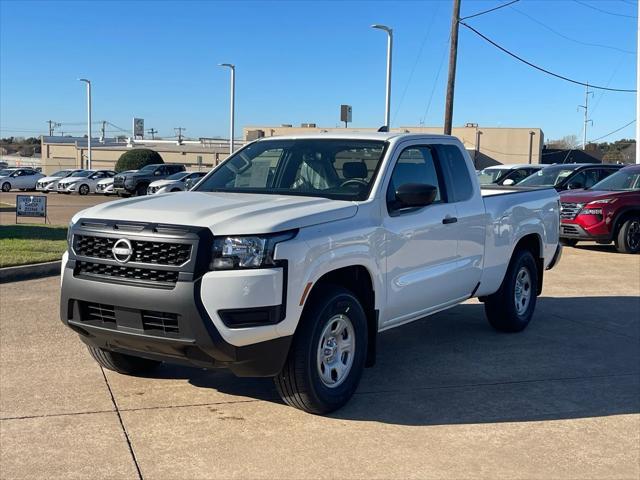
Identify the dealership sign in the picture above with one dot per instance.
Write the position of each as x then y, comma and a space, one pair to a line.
31, 206
138, 127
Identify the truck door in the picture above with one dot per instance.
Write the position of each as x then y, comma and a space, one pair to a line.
469, 229
419, 242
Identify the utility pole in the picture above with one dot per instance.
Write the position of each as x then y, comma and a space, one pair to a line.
586, 116
152, 132
453, 56
637, 93
52, 125
178, 131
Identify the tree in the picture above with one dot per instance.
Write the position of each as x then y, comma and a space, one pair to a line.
566, 142
137, 158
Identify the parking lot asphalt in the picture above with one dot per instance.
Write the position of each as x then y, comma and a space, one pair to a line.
60, 207
448, 398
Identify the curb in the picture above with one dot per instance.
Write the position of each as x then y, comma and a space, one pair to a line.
27, 272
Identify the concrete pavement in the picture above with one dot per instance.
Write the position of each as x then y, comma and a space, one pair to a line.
448, 398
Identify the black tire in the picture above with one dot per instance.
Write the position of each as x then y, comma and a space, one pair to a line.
141, 190
299, 383
628, 238
501, 308
83, 189
6, 187
175, 190
569, 242
121, 363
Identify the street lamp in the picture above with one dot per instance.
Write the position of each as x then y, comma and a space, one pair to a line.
387, 110
88, 82
232, 68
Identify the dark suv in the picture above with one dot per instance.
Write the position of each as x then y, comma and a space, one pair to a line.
136, 183
570, 176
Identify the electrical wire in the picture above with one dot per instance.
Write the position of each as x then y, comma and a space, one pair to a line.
433, 87
611, 133
548, 72
415, 64
560, 34
584, 4
490, 10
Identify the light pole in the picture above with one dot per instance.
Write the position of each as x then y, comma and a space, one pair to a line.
387, 109
232, 68
88, 82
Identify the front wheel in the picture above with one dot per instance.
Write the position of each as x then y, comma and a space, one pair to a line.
327, 355
141, 190
84, 189
6, 186
122, 363
510, 309
628, 238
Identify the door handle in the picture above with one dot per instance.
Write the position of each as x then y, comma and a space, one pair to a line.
448, 220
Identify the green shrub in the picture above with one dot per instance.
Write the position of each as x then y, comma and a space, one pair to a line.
137, 158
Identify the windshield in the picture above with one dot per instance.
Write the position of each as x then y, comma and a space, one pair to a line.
148, 168
60, 173
329, 168
84, 173
620, 181
547, 177
177, 176
491, 175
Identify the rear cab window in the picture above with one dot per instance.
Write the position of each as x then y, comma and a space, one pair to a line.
454, 166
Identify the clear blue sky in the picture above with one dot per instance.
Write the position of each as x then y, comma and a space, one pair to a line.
298, 61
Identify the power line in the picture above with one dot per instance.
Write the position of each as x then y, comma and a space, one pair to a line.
611, 133
560, 34
433, 87
490, 10
548, 72
604, 11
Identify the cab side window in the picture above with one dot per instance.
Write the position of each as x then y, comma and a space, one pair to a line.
416, 165
455, 166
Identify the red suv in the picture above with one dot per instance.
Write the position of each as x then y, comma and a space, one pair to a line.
607, 212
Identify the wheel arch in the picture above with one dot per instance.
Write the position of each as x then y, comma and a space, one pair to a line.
357, 279
621, 216
533, 243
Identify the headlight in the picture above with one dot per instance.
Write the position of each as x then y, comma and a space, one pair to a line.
246, 251
70, 234
604, 200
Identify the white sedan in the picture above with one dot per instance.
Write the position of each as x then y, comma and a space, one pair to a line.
49, 184
84, 182
173, 183
105, 186
20, 178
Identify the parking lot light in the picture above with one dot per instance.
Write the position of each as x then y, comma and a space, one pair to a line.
387, 110
232, 68
88, 82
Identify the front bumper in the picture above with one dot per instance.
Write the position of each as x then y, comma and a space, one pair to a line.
575, 231
185, 324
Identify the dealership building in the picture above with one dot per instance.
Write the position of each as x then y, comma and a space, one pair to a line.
486, 145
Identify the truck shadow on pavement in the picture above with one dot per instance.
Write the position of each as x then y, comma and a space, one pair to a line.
578, 358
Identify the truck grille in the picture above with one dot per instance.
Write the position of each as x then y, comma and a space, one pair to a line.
157, 253
118, 181
98, 312
167, 278
160, 322
569, 211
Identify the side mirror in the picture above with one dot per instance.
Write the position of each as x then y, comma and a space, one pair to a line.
508, 182
575, 185
157, 173
415, 195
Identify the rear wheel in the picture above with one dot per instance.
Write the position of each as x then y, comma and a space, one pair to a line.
84, 189
628, 238
121, 363
510, 309
6, 186
327, 355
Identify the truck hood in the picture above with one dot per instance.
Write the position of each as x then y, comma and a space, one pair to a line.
225, 213
586, 196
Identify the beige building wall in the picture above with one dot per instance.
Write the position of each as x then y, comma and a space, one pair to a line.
488, 146
56, 156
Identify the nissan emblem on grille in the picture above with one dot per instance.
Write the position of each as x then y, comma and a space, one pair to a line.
122, 250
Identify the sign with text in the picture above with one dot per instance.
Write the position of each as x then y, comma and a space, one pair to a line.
138, 127
31, 206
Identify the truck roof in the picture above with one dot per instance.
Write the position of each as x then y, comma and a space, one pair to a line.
382, 136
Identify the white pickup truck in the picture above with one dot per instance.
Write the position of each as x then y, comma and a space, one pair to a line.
288, 259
